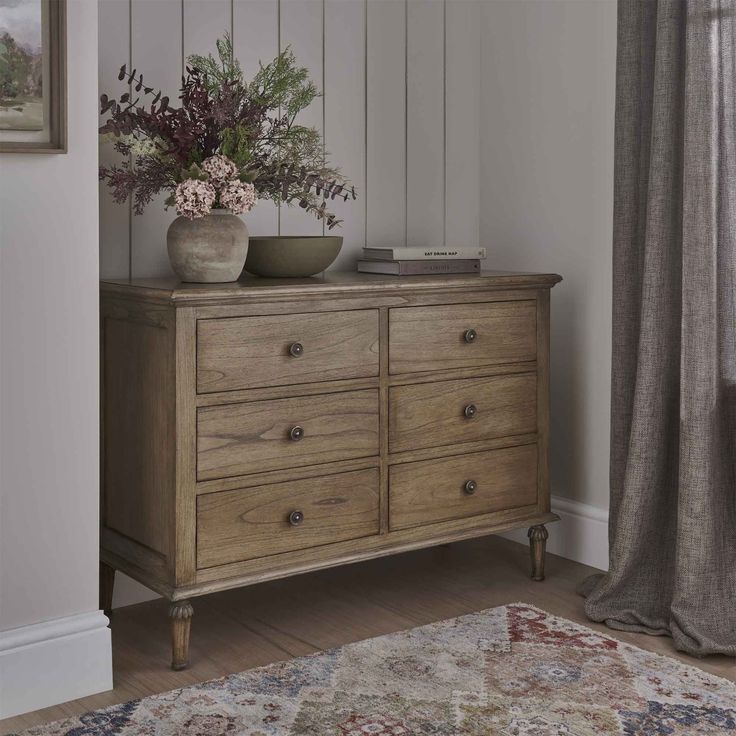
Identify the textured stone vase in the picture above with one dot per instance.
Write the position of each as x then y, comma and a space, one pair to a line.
209, 250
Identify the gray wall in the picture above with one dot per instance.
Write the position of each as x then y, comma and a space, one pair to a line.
49, 476
546, 181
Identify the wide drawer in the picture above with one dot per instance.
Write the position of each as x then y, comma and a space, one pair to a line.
282, 517
462, 486
467, 410
276, 350
461, 335
237, 439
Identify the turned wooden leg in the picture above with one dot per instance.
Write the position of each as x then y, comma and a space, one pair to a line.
180, 614
107, 583
538, 545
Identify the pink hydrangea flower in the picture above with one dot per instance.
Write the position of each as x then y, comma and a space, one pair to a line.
219, 168
237, 196
194, 198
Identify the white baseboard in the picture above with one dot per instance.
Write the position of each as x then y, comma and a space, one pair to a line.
580, 535
54, 661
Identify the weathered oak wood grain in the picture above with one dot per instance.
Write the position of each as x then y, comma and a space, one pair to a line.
238, 439
217, 427
437, 490
466, 410
138, 452
434, 338
254, 522
243, 352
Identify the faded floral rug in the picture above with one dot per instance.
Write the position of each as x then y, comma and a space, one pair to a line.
508, 671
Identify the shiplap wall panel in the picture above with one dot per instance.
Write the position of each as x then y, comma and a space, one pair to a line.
204, 22
366, 85
114, 51
462, 118
156, 45
302, 29
345, 117
256, 39
425, 124
385, 119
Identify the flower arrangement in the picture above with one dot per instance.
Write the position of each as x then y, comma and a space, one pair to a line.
228, 144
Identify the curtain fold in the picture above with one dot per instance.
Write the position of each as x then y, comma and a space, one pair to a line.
672, 528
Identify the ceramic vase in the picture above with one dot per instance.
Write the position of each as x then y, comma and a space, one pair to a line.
210, 249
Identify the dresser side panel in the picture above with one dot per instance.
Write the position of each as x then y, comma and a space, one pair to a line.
138, 415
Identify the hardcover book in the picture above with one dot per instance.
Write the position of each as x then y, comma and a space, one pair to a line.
420, 268
413, 253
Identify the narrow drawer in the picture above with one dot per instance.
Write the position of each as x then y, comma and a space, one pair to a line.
468, 410
462, 486
276, 350
282, 517
238, 439
461, 336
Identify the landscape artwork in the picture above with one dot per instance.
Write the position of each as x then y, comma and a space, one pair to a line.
21, 65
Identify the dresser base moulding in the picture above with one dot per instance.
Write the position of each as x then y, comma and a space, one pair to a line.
381, 547
247, 427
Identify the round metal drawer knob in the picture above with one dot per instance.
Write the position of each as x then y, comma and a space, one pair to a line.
296, 433
470, 487
296, 349
296, 518
470, 335
470, 411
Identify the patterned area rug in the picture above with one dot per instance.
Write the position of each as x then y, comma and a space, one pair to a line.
508, 671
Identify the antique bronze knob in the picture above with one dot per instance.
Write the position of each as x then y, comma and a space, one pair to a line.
296, 349
470, 335
470, 487
470, 411
296, 433
296, 518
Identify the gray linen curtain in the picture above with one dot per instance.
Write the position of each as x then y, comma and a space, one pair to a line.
673, 428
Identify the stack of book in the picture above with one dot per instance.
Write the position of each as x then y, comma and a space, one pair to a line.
417, 261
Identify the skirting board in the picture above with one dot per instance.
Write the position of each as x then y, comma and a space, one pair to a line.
580, 535
54, 661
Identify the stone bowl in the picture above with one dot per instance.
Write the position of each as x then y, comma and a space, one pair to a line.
291, 256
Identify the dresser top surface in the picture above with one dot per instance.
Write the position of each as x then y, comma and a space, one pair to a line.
172, 290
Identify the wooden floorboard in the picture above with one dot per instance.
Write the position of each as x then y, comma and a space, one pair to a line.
241, 629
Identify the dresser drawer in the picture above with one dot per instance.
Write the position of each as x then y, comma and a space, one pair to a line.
282, 517
462, 486
467, 410
277, 350
461, 336
238, 439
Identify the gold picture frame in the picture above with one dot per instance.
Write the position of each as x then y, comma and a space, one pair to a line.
50, 134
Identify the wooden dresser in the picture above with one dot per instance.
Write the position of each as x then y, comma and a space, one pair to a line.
256, 430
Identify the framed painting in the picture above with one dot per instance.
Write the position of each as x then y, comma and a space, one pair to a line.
32, 76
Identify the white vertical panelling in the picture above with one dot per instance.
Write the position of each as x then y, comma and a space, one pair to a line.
204, 22
113, 51
415, 169
385, 200
425, 154
255, 38
345, 117
156, 44
462, 120
302, 29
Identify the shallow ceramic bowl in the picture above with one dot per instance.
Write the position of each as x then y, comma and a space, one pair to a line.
291, 256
